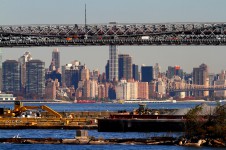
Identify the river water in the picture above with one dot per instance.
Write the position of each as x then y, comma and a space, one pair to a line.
61, 133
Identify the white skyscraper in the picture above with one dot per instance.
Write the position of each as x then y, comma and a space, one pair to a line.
23, 60
113, 63
56, 58
156, 71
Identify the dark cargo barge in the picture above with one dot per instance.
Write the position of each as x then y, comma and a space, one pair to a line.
142, 120
142, 123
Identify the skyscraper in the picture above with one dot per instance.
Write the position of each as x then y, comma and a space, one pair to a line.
23, 60
71, 74
135, 72
35, 85
125, 66
11, 76
56, 58
50, 89
107, 71
54, 75
85, 73
201, 77
143, 92
96, 74
156, 71
113, 63
175, 71
146, 73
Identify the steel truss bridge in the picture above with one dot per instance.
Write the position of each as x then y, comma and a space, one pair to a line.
211, 33
195, 88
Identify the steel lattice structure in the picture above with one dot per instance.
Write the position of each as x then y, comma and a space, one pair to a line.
194, 87
113, 34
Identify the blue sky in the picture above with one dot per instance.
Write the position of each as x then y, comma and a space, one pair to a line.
15, 12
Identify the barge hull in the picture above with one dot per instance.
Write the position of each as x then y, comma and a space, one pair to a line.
141, 125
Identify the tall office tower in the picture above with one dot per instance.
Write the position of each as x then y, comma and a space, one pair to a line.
133, 89
85, 73
143, 92
107, 71
146, 73
113, 63
107, 85
50, 89
112, 91
161, 88
121, 90
23, 60
175, 71
0, 69
86, 89
96, 74
90, 89
56, 58
93, 89
156, 71
35, 85
54, 75
152, 89
135, 72
11, 76
124, 66
52, 66
201, 77
101, 91
71, 74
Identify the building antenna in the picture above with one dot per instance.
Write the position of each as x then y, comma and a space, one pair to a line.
85, 24
85, 15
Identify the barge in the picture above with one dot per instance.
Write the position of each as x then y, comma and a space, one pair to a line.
139, 124
43, 117
142, 120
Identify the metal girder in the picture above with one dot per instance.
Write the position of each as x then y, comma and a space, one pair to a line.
196, 88
90, 42
113, 33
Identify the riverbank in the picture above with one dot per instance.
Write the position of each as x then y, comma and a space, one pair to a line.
109, 102
116, 141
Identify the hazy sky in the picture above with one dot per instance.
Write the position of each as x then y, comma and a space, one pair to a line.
16, 12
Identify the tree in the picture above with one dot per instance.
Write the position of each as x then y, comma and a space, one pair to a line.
194, 122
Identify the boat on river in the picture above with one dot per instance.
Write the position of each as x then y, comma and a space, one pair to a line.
84, 101
142, 120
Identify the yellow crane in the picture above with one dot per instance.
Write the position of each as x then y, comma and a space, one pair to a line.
19, 109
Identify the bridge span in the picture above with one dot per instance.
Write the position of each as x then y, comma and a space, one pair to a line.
212, 33
196, 88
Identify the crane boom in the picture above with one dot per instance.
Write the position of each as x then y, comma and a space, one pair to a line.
19, 108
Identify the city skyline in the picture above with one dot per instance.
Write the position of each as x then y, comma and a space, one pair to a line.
128, 11
148, 60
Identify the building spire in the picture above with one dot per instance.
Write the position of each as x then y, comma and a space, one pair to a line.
85, 15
